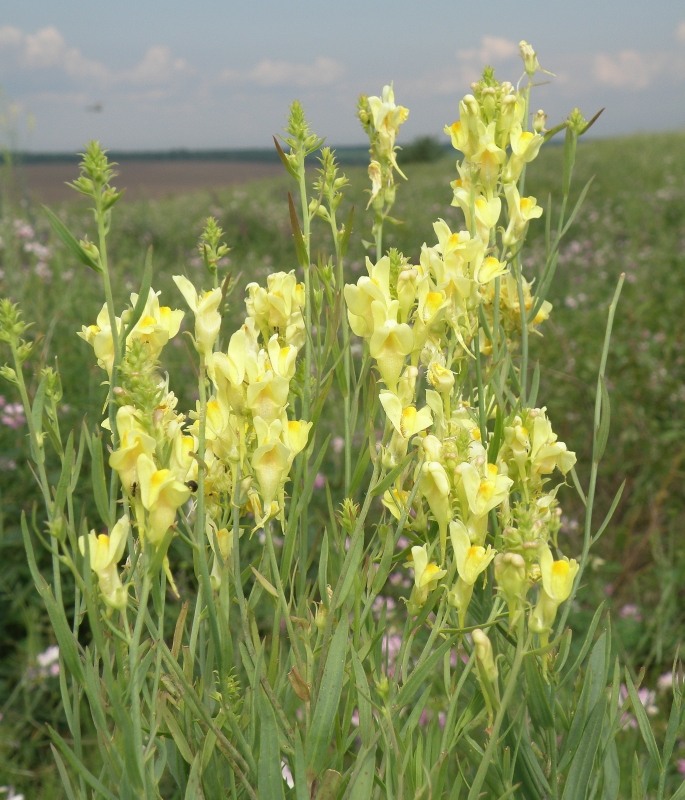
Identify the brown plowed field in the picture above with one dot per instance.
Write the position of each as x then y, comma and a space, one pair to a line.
45, 183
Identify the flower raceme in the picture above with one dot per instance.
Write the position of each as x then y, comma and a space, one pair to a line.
466, 302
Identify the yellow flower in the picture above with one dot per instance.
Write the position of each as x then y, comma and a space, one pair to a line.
133, 442
557, 585
406, 421
104, 552
471, 559
390, 342
426, 577
205, 307
483, 489
161, 494
557, 576
271, 460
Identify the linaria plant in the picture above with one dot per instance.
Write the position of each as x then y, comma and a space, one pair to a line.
239, 630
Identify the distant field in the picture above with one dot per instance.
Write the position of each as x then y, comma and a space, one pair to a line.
153, 179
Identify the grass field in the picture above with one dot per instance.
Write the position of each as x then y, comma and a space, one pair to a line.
632, 222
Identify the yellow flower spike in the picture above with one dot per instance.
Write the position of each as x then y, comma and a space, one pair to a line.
105, 552
207, 317
161, 494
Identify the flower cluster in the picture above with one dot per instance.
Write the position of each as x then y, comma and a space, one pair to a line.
482, 462
240, 434
381, 119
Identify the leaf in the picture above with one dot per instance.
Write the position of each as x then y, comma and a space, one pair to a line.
143, 294
584, 757
194, 784
78, 766
361, 782
300, 246
266, 584
644, 724
319, 735
71, 243
270, 781
99, 482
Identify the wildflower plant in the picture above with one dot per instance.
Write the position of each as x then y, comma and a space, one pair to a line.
232, 618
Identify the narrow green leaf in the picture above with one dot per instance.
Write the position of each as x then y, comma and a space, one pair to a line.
61, 768
143, 294
644, 724
584, 757
299, 770
345, 238
194, 784
361, 782
363, 698
298, 238
99, 481
319, 736
612, 772
421, 673
71, 243
270, 781
538, 694
38, 453
329, 786
382, 485
79, 767
610, 512
66, 474
350, 569
177, 734
284, 158
65, 638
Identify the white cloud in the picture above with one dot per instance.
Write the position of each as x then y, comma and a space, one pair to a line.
157, 66
627, 69
492, 49
268, 73
47, 49
680, 32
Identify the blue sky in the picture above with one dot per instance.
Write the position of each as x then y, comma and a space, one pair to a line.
222, 74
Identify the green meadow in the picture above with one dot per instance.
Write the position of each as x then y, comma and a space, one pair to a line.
632, 222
